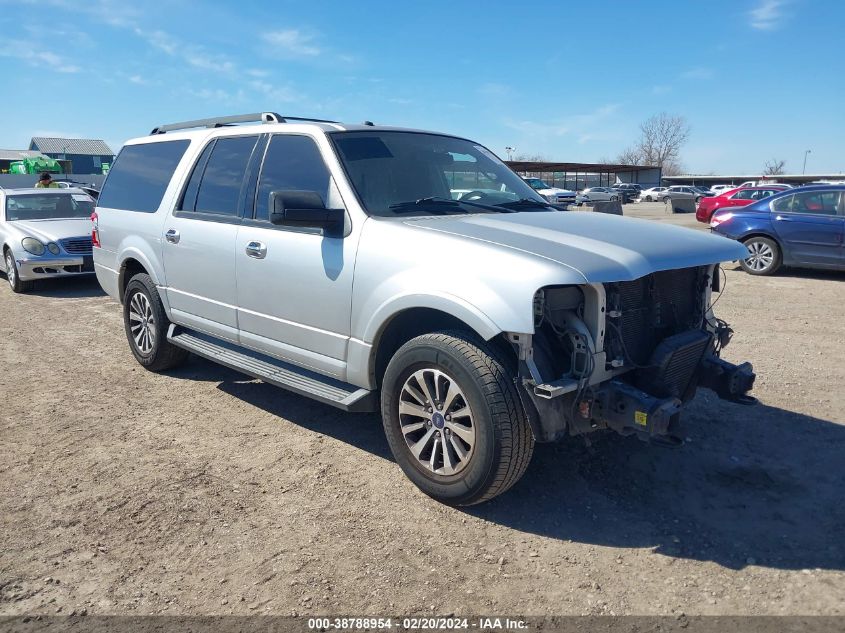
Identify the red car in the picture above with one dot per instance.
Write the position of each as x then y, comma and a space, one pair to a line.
734, 198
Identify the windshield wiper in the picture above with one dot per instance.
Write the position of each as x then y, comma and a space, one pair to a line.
409, 206
413, 205
525, 203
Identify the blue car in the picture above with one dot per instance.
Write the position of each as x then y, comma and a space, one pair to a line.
802, 227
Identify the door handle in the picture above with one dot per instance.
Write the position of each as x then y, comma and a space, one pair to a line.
257, 250
782, 218
172, 236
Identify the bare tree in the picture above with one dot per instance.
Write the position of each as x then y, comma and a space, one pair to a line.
530, 158
661, 140
630, 156
774, 167
672, 168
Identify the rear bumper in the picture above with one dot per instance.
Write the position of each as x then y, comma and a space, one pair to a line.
46, 266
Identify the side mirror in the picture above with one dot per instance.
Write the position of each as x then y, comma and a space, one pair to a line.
304, 209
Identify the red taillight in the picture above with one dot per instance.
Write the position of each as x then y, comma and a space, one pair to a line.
95, 232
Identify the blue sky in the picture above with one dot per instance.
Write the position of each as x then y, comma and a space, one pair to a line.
756, 79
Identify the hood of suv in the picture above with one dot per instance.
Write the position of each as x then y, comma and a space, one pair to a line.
601, 247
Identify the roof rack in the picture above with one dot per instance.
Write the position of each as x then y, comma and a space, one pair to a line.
263, 117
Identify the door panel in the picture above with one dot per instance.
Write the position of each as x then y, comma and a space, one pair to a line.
810, 228
295, 285
198, 244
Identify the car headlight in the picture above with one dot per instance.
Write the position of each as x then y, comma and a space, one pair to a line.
31, 245
53, 248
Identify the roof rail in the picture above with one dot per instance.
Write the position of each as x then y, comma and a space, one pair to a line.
263, 117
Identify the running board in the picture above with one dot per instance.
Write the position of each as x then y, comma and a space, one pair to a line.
276, 372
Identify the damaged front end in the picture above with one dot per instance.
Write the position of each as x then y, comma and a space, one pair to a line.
626, 356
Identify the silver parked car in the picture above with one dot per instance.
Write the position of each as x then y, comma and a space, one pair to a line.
596, 194
334, 261
684, 192
45, 233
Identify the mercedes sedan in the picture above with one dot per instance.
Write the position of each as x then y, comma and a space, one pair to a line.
45, 233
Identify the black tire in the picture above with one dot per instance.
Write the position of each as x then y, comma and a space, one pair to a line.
698, 199
614, 198
648, 198
759, 246
503, 442
12, 276
666, 199
161, 354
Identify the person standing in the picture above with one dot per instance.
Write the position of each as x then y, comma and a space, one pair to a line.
46, 181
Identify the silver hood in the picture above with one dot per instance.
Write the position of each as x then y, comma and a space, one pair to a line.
602, 248
53, 230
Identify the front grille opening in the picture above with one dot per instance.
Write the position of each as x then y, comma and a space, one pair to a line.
78, 245
645, 311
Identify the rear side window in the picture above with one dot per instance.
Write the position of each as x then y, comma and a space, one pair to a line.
140, 175
292, 163
220, 184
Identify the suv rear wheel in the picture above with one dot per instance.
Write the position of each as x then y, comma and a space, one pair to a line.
453, 419
146, 326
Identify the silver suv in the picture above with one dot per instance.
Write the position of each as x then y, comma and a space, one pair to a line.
376, 268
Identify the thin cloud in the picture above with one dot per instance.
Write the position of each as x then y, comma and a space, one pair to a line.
700, 72
768, 15
191, 54
292, 42
39, 59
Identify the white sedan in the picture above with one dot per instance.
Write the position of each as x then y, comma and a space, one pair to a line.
596, 194
652, 194
45, 233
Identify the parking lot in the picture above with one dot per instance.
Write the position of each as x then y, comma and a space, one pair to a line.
204, 492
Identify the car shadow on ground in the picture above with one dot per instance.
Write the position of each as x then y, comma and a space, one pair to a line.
752, 486
67, 288
361, 430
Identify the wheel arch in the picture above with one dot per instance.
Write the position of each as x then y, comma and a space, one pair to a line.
411, 322
131, 265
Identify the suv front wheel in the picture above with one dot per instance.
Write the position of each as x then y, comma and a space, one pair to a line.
453, 419
146, 326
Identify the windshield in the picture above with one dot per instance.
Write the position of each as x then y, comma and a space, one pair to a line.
425, 174
536, 183
48, 207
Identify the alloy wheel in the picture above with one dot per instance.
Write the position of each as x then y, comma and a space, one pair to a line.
436, 422
761, 257
142, 322
11, 273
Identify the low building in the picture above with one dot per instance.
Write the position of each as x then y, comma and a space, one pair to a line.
789, 179
77, 155
577, 176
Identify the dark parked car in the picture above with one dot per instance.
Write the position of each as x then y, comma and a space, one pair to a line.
628, 192
802, 227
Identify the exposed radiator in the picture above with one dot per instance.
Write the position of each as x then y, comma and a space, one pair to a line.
651, 309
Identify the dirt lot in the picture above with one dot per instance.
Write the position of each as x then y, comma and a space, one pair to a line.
202, 492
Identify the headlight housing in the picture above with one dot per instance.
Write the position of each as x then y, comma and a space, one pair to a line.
31, 245
53, 248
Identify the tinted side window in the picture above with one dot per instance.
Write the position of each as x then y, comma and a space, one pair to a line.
140, 175
220, 187
818, 202
782, 205
291, 163
744, 194
189, 198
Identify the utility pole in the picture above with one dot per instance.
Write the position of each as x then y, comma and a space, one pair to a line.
804, 169
510, 150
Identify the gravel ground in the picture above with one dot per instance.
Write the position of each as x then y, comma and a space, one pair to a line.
203, 492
